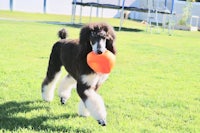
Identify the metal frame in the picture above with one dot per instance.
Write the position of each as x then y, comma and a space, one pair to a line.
121, 7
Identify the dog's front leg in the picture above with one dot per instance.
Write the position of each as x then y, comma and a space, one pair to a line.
93, 102
65, 88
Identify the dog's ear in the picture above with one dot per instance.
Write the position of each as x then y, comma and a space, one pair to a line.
110, 40
84, 39
84, 34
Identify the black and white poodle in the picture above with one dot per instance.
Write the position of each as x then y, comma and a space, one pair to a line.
71, 54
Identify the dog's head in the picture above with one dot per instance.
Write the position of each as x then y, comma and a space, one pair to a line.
97, 37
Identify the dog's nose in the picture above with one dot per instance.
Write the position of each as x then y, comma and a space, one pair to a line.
99, 52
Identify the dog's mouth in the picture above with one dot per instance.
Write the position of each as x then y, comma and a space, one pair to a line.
99, 51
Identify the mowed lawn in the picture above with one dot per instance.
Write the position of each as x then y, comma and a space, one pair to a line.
154, 86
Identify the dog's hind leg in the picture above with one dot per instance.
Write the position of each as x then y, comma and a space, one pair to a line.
53, 74
48, 87
65, 88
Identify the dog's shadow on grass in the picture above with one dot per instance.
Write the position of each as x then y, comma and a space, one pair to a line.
11, 120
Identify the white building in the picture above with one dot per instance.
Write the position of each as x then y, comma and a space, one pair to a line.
65, 7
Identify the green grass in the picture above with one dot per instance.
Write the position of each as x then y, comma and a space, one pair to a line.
154, 87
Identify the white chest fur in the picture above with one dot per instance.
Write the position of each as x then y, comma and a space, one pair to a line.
94, 79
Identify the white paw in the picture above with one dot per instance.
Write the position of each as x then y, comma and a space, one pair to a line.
47, 95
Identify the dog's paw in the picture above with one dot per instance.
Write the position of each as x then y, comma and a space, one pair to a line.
47, 96
102, 122
63, 100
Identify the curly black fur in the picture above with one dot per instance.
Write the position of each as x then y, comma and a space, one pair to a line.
72, 53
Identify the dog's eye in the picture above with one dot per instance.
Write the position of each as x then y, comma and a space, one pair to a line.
93, 34
92, 42
103, 37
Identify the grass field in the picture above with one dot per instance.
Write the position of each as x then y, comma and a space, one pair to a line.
154, 87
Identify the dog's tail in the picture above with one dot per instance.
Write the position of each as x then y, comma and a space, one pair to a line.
62, 34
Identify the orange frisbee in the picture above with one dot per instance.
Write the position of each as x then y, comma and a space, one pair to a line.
102, 63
